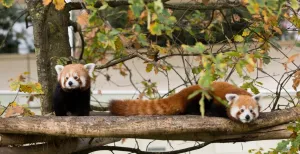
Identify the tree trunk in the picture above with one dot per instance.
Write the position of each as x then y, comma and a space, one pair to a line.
51, 40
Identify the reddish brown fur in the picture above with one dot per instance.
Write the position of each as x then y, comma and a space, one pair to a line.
75, 68
172, 105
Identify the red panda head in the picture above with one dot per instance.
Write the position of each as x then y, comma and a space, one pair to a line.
75, 76
243, 108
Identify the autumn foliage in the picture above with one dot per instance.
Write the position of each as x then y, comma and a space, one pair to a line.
221, 37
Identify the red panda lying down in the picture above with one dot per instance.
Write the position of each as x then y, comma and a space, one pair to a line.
72, 93
243, 107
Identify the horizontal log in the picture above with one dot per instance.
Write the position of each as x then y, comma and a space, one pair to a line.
186, 127
69, 145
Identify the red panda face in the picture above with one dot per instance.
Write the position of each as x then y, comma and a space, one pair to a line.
243, 108
74, 76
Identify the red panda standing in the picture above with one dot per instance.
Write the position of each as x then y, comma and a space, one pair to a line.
72, 93
243, 107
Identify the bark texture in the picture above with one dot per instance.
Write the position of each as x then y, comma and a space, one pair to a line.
156, 127
51, 40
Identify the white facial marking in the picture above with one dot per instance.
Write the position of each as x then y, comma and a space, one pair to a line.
256, 111
233, 111
71, 83
90, 68
231, 98
246, 116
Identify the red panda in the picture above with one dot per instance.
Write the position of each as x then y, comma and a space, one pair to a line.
72, 93
243, 107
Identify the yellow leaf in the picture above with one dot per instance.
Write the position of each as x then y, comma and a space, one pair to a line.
27, 112
266, 27
260, 63
238, 38
246, 32
149, 67
264, 13
251, 63
59, 4
250, 68
278, 30
47, 2
244, 2
83, 19
13, 104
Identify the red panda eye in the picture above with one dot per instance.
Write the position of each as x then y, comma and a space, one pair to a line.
75, 77
251, 111
242, 110
67, 78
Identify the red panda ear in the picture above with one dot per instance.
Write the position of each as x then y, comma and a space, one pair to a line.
231, 97
90, 68
256, 97
59, 68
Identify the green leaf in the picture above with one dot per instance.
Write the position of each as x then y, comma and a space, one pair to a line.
142, 39
198, 48
196, 70
246, 85
239, 69
158, 6
202, 105
137, 6
156, 28
254, 89
195, 93
294, 4
266, 58
104, 5
282, 146
246, 77
260, 83
233, 53
114, 32
102, 37
296, 142
238, 38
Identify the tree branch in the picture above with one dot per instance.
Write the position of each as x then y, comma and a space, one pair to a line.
116, 61
133, 150
155, 127
17, 139
174, 6
67, 145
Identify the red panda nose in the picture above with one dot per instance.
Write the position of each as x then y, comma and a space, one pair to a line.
70, 83
247, 117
